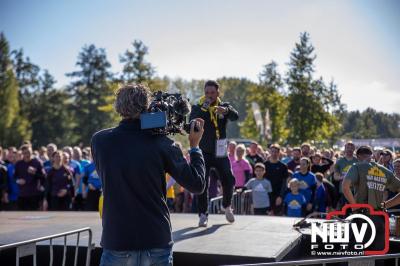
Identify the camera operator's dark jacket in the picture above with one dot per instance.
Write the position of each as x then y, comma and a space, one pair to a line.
207, 143
132, 165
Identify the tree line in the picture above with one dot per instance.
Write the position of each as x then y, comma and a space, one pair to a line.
301, 106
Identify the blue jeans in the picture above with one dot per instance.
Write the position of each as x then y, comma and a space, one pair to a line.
153, 257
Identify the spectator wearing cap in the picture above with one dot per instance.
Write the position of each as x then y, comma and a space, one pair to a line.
294, 201
305, 150
377, 153
386, 159
370, 180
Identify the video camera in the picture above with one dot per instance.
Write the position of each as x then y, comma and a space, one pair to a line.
167, 114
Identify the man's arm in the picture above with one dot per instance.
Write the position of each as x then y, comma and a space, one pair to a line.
336, 172
196, 113
3, 183
170, 182
93, 145
394, 186
350, 178
3, 178
284, 181
232, 114
40, 174
346, 187
190, 176
392, 202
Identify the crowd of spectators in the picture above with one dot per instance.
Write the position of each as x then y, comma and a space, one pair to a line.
48, 179
299, 180
284, 180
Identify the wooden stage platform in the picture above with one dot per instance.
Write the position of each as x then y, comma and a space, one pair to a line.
250, 239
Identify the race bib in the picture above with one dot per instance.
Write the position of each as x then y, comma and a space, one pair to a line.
221, 148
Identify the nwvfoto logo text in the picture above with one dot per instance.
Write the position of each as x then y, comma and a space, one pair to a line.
343, 235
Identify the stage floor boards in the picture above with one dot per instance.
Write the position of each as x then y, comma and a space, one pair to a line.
270, 238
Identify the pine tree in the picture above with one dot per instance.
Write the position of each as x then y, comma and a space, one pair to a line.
370, 124
13, 127
27, 75
90, 92
309, 117
136, 69
51, 117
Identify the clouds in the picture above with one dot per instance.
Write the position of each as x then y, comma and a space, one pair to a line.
363, 94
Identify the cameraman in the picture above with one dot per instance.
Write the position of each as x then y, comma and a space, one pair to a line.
132, 164
215, 114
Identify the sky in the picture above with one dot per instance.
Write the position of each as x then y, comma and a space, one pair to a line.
356, 41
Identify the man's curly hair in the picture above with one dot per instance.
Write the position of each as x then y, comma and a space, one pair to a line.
131, 100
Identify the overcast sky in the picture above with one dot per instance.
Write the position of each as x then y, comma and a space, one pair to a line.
356, 42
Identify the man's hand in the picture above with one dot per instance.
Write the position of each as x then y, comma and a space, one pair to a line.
20, 181
221, 110
195, 136
337, 176
309, 207
278, 201
32, 170
45, 205
61, 193
5, 198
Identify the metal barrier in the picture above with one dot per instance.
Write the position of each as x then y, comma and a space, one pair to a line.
247, 202
241, 203
215, 205
237, 202
350, 260
28, 248
392, 211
